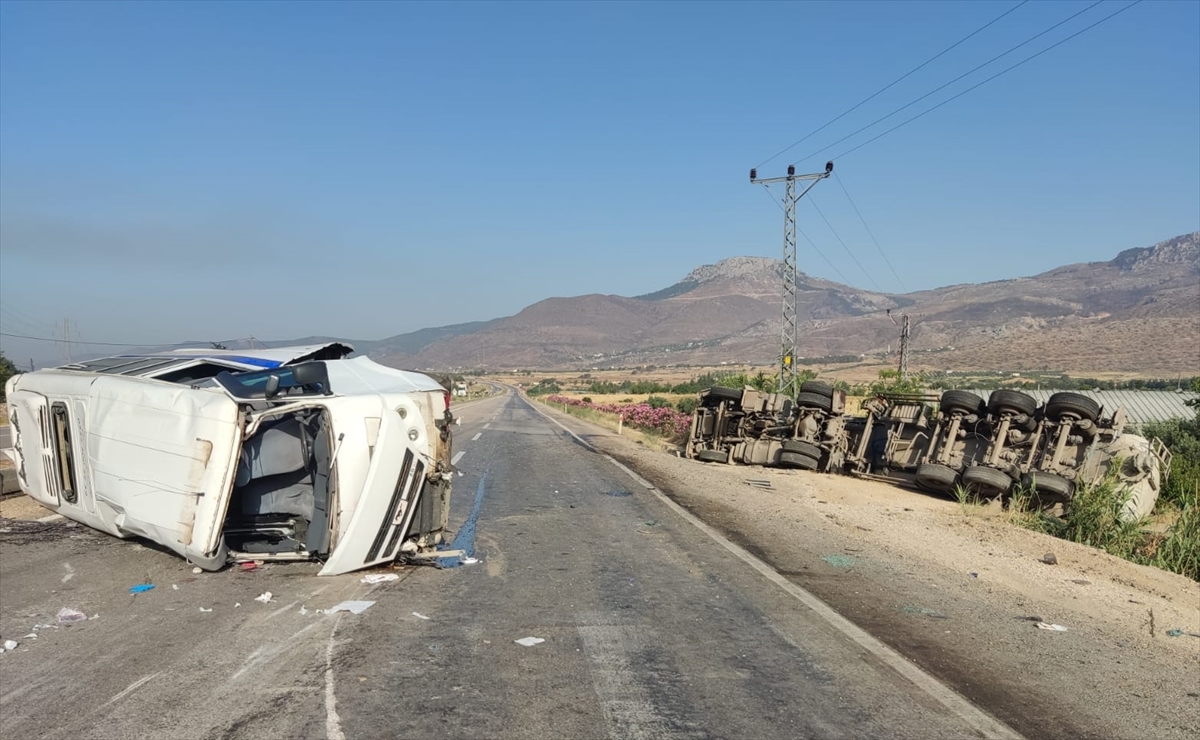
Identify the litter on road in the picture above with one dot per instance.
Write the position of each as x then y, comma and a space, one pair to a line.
354, 607
264, 598
380, 578
529, 641
1051, 627
418, 615
141, 588
67, 615
205, 610
10, 644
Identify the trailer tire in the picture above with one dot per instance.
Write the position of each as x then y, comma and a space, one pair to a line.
797, 460
962, 401
937, 478
801, 447
1048, 487
816, 386
1022, 403
814, 401
722, 393
986, 482
1077, 405
717, 456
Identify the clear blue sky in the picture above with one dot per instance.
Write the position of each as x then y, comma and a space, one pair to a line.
177, 171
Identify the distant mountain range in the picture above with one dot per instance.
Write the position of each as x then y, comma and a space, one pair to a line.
1139, 312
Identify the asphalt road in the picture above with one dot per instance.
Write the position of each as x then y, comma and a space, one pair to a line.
650, 627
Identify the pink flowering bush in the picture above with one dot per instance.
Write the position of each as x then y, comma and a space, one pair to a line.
665, 421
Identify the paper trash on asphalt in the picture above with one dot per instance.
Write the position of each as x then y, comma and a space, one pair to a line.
354, 607
1051, 627
529, 641
380, 578
264, 598
67, 615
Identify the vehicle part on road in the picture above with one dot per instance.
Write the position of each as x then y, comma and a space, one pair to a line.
1051, 627
379, 578
142, 588
797, 460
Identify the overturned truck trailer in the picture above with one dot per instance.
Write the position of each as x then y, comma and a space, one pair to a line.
943, 444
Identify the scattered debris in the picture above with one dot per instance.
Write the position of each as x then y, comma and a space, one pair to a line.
141, 588
303, 611
1049, 559
174, 587
840, 561
197, 570
529, 641
974, 575
235, 606
469, 561
380, 578
1174, 633
1030, 619
30, 636
1051, 627
248, 566
67, 615
354, 607
264, 598
418, 615
10, 644
1081, 582
757, 482
205, 610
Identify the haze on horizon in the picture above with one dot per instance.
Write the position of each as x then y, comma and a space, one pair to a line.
194, 171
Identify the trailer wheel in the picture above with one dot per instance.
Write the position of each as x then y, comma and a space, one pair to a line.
722, 393
986, 482
814, 401
936, 478
962, 401
796, 460
1047, 487
816, 386
1003, 399
1075, 405
717, 456
801, 447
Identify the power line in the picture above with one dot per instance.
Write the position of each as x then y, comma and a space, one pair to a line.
9, 311
845, 280
885, 88
98, 344
839, 238
956, 79
984, 82
871, 233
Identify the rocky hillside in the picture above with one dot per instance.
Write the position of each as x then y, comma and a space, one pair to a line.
1137, 312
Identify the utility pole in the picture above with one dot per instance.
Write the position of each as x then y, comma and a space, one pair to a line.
788, 378
903, 343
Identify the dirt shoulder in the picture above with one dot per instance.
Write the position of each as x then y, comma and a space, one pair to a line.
960, 592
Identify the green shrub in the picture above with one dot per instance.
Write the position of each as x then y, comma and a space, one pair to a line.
687, 405
658, 402
1182, 438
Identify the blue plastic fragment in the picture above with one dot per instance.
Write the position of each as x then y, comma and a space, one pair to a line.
141, 589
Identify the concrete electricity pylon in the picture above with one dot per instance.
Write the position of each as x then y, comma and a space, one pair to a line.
788, 379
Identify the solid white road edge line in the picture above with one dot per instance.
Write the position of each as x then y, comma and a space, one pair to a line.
978, 719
